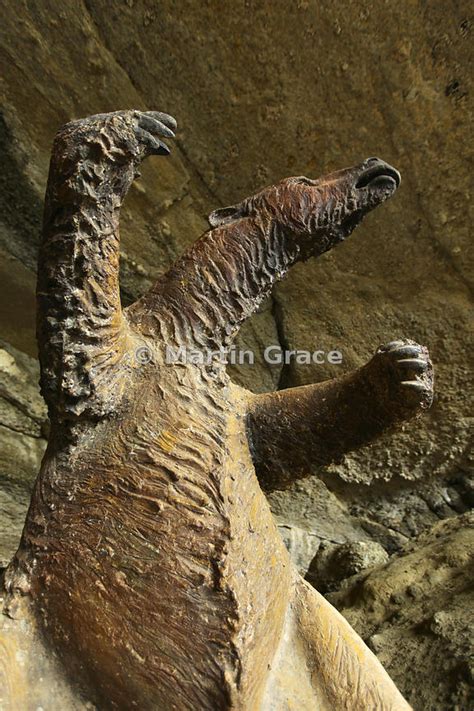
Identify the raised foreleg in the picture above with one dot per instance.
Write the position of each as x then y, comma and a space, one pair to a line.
81, 332
293, 430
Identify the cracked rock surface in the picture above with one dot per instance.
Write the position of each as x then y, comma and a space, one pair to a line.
416, 614
261, 91
23, 430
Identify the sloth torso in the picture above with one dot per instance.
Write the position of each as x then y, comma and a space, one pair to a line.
162, 560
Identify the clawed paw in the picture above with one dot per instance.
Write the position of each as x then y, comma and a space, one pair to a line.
120, 136
411, 370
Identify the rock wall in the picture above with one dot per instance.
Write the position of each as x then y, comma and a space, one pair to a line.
416, 614
262, 90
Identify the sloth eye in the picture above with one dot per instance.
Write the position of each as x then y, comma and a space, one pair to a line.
304, 181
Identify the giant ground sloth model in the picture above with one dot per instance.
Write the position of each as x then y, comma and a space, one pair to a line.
150, 573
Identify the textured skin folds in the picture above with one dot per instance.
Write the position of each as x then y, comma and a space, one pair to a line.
150, 573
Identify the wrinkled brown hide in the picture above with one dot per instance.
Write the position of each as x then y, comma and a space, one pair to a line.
150, 573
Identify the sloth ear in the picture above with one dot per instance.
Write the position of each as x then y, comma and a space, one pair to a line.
225, 215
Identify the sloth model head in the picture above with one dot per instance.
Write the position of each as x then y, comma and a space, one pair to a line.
317, 214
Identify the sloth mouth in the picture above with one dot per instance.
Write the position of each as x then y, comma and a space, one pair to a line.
351, 222
379, 175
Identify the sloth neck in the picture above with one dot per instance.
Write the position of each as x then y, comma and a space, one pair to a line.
217, 284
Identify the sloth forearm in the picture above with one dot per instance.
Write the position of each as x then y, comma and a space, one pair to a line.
294, 430
79, 313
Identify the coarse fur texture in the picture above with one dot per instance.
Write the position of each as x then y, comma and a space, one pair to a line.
150, 558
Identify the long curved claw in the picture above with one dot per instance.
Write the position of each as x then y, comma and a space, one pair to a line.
150, 123
417, 385
409, 351
392, 345
416, 364
163, 118
153, 145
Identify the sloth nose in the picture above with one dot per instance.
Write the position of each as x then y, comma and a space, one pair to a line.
374, 169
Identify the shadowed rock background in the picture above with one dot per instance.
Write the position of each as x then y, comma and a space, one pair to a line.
262, 90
